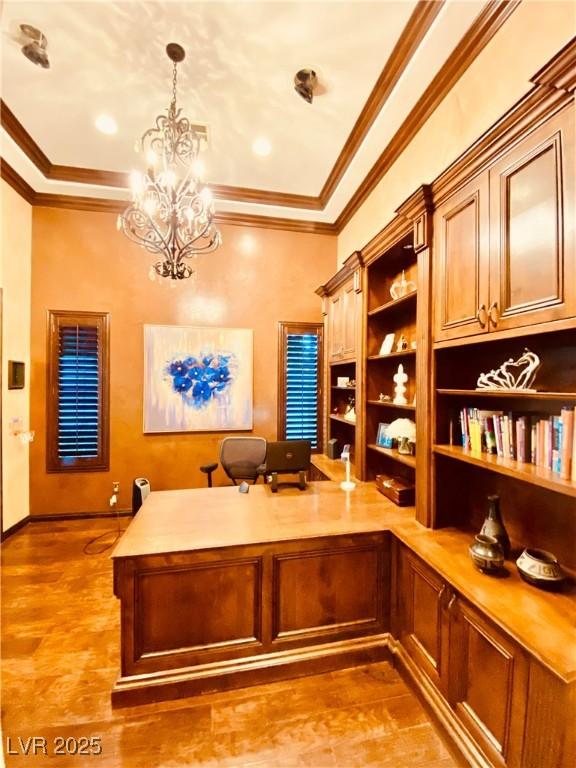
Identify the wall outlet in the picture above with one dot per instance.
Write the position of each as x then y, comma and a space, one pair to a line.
116, 487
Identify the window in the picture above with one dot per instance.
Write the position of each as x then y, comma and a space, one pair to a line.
78, 373
299, 382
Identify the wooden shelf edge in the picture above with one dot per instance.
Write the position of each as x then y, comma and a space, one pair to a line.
390, 404
349, 361
505, 393
348, 389
392, 304
392, 453
528, 473
405, 353
336, 417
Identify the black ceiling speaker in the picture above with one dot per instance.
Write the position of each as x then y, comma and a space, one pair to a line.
35, 45
305, 82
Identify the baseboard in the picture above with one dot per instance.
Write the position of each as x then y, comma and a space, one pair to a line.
78, 516
438, 707
14, 528
253, 670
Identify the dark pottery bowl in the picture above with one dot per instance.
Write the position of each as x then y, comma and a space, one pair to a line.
487, 554
541, 569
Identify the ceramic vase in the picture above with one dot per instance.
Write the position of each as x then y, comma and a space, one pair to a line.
493, 525
486, 553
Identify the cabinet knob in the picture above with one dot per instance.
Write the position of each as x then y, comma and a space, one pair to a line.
482, 316
493, 313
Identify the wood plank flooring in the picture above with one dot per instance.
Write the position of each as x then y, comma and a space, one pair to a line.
60, 627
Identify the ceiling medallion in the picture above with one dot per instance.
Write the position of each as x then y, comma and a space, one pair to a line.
172, 211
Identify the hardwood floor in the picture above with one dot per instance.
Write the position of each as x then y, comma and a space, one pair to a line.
60, 656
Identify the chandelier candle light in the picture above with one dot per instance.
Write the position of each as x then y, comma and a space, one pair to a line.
172, 211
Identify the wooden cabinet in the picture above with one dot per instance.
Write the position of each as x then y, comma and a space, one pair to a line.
461, 262
532, 263
423, 622
488, 684
342, 323
477, 669
504, 242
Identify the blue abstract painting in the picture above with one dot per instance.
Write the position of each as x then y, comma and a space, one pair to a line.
197, 379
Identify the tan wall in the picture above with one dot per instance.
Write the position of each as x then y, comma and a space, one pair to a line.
81, 262
15, 259
492, 84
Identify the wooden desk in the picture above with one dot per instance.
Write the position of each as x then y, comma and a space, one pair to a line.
221, 589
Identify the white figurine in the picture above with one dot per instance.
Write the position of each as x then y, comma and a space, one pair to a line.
400, 380
513, 374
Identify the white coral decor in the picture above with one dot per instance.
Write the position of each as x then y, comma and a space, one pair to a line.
402, 428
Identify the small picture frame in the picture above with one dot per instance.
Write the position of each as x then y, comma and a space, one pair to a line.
382, 438
342, 381
16, 374
387, 344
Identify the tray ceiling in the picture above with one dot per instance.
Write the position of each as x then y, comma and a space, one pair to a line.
108, 57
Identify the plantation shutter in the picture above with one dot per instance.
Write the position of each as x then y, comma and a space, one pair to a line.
301, 395
78, 392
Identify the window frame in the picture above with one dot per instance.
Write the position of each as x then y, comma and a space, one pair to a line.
284, 328
100, 320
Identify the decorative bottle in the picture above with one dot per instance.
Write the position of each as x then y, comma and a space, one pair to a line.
493, 525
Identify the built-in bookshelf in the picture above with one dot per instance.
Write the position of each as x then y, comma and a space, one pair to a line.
386, 314
341, 399
517, 444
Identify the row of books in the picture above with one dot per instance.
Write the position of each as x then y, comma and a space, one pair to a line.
546, 441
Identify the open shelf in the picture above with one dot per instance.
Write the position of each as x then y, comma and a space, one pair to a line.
337, 417
529, 473
392, 453
508, 393
392, 304
344, 389
390, 404
405, 353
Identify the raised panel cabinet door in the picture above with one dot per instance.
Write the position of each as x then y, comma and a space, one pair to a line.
532, 267
424, 631
335, 327
461, 263
349, 321
488, 684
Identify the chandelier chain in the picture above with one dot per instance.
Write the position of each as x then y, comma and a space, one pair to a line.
174, 83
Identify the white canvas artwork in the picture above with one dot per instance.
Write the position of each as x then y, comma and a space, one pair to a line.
197, 379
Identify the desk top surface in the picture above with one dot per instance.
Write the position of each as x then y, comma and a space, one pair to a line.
207, 518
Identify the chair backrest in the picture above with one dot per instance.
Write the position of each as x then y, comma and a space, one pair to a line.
241, 457
288, 456
140, 490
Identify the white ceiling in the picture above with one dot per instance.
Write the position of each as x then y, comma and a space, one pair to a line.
237, 77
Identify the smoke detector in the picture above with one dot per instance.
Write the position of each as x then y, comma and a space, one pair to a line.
305, 81
35, 44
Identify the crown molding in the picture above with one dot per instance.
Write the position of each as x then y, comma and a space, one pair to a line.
560, 72
105, 205
485, 26
416, 29
16, 182
412, 35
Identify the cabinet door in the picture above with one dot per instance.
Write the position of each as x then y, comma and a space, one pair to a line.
424, 630
335, 327
532, 260
461, 262
349, 321
488, 684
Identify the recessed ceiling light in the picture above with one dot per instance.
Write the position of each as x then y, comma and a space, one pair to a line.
261, 146
106, 124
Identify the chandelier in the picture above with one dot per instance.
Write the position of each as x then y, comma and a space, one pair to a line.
172, 211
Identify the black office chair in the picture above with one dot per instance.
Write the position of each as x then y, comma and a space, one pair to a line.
242, 458
287, 457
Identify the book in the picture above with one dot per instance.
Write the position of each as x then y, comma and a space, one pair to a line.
566, 458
